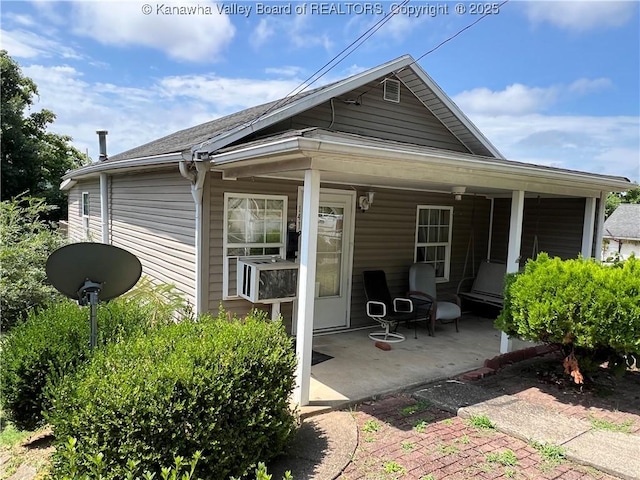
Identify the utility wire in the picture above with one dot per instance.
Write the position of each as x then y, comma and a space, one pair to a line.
336, 60
458, 33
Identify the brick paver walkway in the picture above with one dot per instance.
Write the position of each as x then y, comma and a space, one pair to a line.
401, 438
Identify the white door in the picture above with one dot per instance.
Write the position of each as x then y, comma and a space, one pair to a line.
334, 259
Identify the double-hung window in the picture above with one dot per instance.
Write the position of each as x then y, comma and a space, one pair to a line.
254, 226
84, 210
433, 238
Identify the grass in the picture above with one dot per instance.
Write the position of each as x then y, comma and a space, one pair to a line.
552, 454
394, 467
421, 406
464, 440
448, 449
506, 458
447, 421
10, 436
408, 446
481, 422
421, 426
600, 424
428, 477
371, 426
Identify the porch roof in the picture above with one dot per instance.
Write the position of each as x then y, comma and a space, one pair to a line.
366, 161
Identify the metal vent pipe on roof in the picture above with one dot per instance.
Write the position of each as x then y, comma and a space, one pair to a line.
102, 139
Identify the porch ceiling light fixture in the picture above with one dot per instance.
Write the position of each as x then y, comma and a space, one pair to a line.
365, 201
457, 192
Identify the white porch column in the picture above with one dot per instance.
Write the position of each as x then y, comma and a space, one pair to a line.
513, 253
307, 285
588, 227
600, 226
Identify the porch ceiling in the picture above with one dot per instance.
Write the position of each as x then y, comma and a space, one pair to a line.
363, 161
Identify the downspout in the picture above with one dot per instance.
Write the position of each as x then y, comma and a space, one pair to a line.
197, 179
104, 190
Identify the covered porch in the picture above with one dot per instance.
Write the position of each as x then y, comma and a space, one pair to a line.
403, 177
359, 370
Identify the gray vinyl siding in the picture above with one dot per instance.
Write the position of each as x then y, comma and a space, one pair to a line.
76, 230
408, 121
217, 188
153, 216
557, 222
384, 239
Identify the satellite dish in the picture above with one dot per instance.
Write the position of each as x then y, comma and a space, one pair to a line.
89, 272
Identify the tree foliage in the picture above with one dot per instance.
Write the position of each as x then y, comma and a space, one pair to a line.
33, 159
26, 241
615, 199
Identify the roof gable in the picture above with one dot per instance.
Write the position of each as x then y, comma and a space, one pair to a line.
624, 222
211, 136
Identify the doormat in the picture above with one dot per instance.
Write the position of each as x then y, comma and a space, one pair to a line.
317, 357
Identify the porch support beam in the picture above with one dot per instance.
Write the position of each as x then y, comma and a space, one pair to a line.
513, 253
588, 227
600, 225
306, 285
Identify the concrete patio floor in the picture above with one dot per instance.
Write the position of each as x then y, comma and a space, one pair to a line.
359, 370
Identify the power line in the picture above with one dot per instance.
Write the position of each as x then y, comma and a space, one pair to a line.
336, 60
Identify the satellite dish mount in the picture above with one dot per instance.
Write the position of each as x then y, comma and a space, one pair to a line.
102, 271
88, 295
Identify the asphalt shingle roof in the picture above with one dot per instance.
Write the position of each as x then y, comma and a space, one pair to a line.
624, 222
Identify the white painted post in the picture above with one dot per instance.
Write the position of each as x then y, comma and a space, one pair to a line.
513, 253
600, 225
588, 227
307, 285
490, 239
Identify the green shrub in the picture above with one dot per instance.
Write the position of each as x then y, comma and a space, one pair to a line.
26, 241
214, 385
579, 303
54, 341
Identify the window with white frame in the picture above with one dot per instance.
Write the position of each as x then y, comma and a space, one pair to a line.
84, 210
254, 226
433, 238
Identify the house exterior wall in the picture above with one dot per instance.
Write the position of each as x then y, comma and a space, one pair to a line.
408, 121
625, 248
557, 222
76, 232
151, 214
384, 238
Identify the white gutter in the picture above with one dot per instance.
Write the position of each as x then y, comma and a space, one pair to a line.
197, 179
122, 165
311, 147
104, 207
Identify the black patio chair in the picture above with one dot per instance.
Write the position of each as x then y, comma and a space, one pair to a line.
383, 309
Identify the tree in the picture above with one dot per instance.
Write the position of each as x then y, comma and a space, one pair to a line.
33, 159
615, 199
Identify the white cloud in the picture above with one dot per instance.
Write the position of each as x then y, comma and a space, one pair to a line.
303, 35
200, 36
516, 99
227, 94
263, 32
28, 44
583, 86
286, 71
581, 16
608, 145
134, 116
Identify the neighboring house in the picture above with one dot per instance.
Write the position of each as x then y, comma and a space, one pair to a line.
621, 233
432, 188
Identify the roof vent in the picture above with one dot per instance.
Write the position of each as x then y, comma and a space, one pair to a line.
391, 90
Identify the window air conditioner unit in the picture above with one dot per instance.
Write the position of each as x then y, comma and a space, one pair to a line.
267, 280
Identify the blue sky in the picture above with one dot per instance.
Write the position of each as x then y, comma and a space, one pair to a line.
551, 83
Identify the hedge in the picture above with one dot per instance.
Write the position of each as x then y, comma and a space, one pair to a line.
577, 302
214, 385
